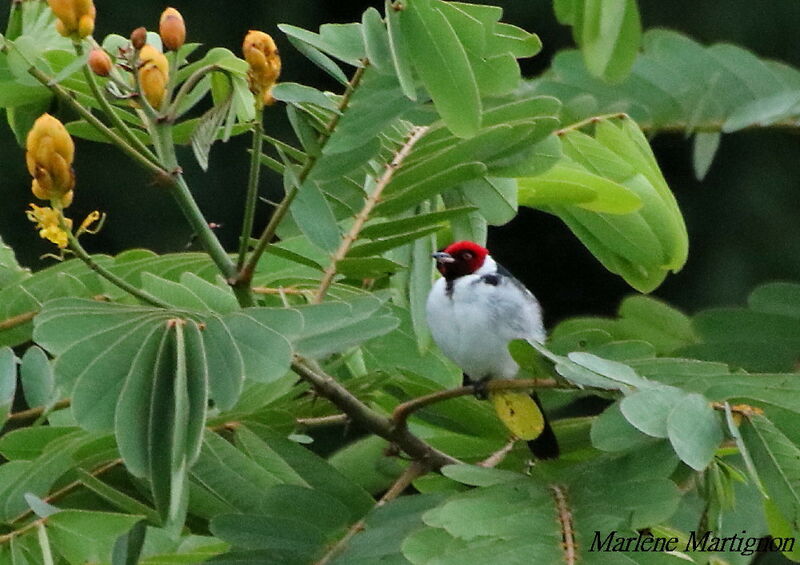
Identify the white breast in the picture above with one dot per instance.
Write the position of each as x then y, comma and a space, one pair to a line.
474, 323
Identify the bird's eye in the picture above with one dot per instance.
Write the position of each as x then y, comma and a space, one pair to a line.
466, 255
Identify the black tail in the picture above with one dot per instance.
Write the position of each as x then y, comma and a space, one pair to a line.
546, 445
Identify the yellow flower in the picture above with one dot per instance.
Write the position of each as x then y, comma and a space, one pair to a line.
49, 155
153, 75
48, 222
75, 17
172, 29
261, 54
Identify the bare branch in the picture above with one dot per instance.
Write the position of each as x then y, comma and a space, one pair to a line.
403, 411
362, 415
565, 524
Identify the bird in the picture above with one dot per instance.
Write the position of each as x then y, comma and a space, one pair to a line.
474, 311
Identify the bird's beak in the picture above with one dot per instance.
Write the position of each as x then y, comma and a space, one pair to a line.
442, 257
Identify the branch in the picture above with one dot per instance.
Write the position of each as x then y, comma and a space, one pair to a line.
415, 135
361, 414
412, 472
565, 523
497, 457
403, 411
17, 320
245, 274
589, 121
33, 413
332, 420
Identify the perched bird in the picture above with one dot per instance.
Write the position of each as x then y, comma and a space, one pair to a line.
474, 311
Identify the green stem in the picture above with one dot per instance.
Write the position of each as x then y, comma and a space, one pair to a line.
191, 211
121, 126
245, 274
252, 188
187, 86
81, 254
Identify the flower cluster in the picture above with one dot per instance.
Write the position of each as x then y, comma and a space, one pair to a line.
49, 155
261, 54
75, 17
51, 223
153, 75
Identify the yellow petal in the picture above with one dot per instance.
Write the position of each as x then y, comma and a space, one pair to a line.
519, 413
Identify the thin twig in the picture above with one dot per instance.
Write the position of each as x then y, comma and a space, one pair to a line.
564, 516
251, 199
363, 215
590, 120
119, 282
63, 491
121, 126
497, 457
245, 274
362, 415
411, 473
33, 413
332, 420
404, 410
281, 290
17, 320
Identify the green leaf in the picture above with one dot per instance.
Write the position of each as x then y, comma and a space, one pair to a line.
319, 59
82, 536
404, 225
37, 379
776, 461
367, 267
313, 215
694, 431
648, 410
29, 443
334, 326
381, 245
342, 41
400, 51
376, 41
8, 381
298, 94
376, 103
441, 62
609, 37
10, 269
705, 147
266, 354
611, 431
563, 185
478, 476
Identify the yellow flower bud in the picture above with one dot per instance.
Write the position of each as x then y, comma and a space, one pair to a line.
49, 223
75, 17
99, 62
138, 38
153, 75
172, 29
49, 155
261, 54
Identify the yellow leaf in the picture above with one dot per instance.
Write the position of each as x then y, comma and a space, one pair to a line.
519, 413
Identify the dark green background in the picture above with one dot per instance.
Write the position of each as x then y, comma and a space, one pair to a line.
744, 219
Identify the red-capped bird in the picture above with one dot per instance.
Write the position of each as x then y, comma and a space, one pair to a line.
474, 311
